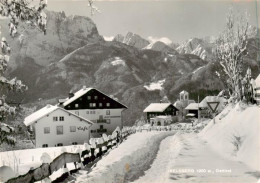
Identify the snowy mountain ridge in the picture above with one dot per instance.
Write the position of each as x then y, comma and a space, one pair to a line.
197, 47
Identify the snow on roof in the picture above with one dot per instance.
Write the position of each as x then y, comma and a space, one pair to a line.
190, 114
257, 81
163, 117
82, 92
192, 106
183, 92
157, 107
78, 94
191, 101
45, 111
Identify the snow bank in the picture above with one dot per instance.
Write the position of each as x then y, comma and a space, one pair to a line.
236, 134
155, 85
127, 161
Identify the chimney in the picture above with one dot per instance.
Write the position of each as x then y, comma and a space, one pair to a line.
71, 94
84, 87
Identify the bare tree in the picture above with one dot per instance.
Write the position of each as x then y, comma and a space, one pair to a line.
230, 51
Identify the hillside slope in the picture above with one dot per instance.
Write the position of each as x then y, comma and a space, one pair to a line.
236, 134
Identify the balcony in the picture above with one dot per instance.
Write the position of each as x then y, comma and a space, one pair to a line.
101, 121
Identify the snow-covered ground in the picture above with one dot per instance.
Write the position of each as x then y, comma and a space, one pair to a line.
127, 161
186, 158
21, 161
155, 85
239, 125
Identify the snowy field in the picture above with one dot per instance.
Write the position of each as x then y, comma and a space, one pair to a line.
155, 85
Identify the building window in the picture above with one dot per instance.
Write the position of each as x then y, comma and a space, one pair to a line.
74, 143
93, 131
44, 145
100, 104
60, 144
108, 104
73, 129
89, 97
108, 121
94, 104
95, 97
76, 105
108, 112
87, 112
101, 127
61, 118
46, 130
59, 130
55, 118
90, 104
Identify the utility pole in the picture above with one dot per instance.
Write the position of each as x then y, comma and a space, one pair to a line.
198, 108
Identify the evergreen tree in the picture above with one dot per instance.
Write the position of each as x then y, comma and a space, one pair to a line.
34, 17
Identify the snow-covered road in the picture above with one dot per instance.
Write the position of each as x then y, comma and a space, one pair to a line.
128, 161
186, 158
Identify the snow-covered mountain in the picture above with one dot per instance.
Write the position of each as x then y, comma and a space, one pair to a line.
73, 54
160, 46
132, 39
197, 47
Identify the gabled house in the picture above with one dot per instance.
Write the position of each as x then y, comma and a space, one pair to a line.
90, 103
160, 109
192, 110
55, 126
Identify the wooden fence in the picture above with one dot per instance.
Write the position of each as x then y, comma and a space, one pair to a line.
85, 157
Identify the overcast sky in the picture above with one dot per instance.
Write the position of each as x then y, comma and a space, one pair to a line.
176, 20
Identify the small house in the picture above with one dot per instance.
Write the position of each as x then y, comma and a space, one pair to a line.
160, 109
55, 126
192, 110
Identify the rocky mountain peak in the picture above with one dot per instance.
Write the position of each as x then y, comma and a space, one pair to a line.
132, 39
119, 38
64, 34
198, 47
160, 46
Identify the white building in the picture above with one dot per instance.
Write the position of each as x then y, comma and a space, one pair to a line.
161, 120
102, 110
55, 126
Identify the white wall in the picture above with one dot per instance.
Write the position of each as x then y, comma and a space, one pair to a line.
67, 137
115, 118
